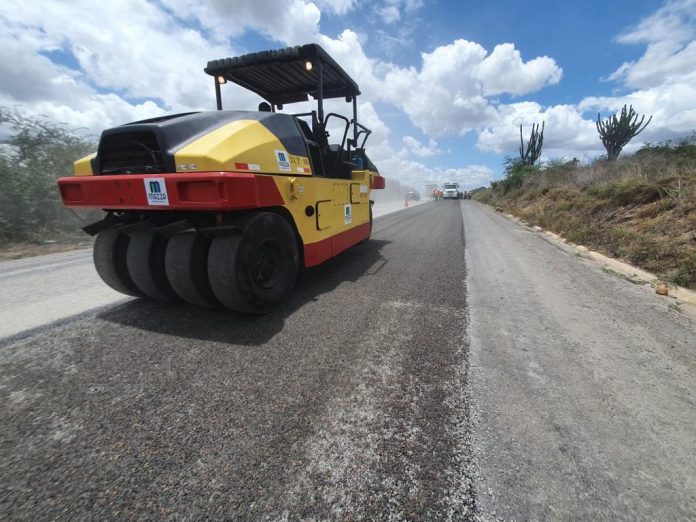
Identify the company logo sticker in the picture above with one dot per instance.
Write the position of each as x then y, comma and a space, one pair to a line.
283, 160
156, 191
347, 214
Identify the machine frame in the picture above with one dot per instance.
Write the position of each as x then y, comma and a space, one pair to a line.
214, 174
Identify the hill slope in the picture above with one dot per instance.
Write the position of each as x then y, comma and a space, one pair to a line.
641, 209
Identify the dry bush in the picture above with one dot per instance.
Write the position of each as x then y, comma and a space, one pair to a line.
641, 208
652, 163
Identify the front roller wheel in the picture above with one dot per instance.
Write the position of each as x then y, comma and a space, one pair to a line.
256, 270
186, 263
145, 259
109, 256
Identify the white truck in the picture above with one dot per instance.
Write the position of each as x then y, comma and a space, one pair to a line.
451, 191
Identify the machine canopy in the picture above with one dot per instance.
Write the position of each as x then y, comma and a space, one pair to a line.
287, 75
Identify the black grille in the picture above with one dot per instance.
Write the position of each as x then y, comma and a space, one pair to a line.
130, 153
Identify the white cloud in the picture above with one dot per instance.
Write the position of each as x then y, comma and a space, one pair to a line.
37, 86
148, 59
395, 39
415, 147
670, 56
566, 132
134, 55
415, 174
664, 78
663, 62
675, 21
503, 71
671, 107
338, 6
389, 14
662, 83
407, 6
448, 94
291, 22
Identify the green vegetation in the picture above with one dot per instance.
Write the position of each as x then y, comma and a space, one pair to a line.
534, 145
33, 155
641, 208
615, 132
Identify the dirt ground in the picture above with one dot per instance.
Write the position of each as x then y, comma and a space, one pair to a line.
34, 248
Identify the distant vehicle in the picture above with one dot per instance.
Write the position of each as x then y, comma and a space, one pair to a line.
451, 191
467, 195
414, 195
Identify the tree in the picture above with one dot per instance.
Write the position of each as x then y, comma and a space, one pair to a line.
516, 172
536, 140
615, 132
33, 155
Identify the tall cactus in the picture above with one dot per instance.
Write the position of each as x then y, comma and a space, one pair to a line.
536, 140
615, 132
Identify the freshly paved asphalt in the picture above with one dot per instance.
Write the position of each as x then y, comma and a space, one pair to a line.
409, 378
346, 402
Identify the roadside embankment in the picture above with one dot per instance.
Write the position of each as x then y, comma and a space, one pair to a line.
641, 210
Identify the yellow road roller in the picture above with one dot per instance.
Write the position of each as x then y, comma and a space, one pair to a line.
224, 207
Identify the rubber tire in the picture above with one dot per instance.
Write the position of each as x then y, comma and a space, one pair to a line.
230, 265
145, 260
109, 255
186, 265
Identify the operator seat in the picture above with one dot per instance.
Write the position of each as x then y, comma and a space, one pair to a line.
339, 167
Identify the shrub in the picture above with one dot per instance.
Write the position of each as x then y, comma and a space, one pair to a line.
516, 173
33, 156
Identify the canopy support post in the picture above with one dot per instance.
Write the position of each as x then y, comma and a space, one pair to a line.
218, 95
320, 88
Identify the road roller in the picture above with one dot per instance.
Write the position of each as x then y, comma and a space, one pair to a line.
223, 208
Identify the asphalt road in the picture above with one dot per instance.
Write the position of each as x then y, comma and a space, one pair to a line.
41, 290
413, 377
347, 402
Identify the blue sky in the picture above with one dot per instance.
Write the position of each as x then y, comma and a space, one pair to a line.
445, 84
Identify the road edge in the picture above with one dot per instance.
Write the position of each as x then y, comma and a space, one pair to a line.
627, 271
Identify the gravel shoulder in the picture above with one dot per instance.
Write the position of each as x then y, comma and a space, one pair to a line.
583, 384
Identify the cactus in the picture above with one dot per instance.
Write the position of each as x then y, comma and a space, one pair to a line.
536, 140
615, 132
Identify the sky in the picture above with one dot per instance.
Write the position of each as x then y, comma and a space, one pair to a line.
445, 84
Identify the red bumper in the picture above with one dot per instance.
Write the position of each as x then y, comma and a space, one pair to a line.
200, 191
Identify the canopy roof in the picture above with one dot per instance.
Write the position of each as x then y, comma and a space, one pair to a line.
281, 76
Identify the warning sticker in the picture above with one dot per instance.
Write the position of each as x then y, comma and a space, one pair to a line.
247, 166
363, 189
347, 214
283, 160
156, 191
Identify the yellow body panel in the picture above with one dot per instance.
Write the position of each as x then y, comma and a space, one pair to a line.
250, 143
83, 166
338, 204
242, 141
329, 197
